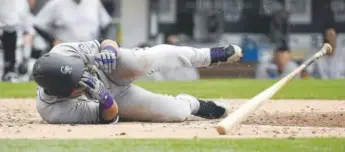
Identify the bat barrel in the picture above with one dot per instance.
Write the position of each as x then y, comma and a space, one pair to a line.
249, 107
253, 104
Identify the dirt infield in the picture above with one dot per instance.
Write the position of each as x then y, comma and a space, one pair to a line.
290, 118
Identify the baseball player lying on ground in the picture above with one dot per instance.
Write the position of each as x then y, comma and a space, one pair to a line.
90, 83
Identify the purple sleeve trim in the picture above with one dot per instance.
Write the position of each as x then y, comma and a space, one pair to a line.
111, 48
107, 101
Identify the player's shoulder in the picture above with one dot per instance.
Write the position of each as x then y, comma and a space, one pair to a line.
49, 99
43, 97
60, 47
76, 46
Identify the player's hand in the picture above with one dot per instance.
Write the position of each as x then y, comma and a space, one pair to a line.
94, 87
106, 60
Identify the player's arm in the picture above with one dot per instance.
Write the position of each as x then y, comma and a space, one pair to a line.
108, 109
77, 110
103, 55
108, 115
111, 44
107, 57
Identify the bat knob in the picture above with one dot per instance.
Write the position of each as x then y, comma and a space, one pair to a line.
328, 48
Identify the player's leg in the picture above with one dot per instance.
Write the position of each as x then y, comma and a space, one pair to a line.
138, 104
160, 57
9, 41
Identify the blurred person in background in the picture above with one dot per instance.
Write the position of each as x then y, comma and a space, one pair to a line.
9, 21
25, 33
72, 20
281, 63
32, 4
331, 66
280, 66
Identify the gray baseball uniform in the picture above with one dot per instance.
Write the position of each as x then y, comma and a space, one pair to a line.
180, 74
135, 103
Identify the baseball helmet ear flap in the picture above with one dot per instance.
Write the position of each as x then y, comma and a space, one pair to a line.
58, 74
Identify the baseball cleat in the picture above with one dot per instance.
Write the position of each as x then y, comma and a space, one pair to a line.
225, 54
211, 110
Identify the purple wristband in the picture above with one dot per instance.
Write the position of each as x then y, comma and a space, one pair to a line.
107, 100
111, 48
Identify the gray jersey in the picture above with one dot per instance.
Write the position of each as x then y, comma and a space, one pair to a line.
71, 22
87, 110
134, 103
87, 49
67, 110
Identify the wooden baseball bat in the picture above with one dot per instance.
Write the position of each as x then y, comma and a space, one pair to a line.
255, 103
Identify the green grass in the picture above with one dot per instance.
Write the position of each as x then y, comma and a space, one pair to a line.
217, 88
160, 145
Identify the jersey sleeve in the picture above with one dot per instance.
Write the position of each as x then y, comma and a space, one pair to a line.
83, 50
79, 110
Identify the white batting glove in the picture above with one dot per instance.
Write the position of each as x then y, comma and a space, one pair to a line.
106, 59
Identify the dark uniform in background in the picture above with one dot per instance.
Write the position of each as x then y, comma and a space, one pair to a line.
9, 20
